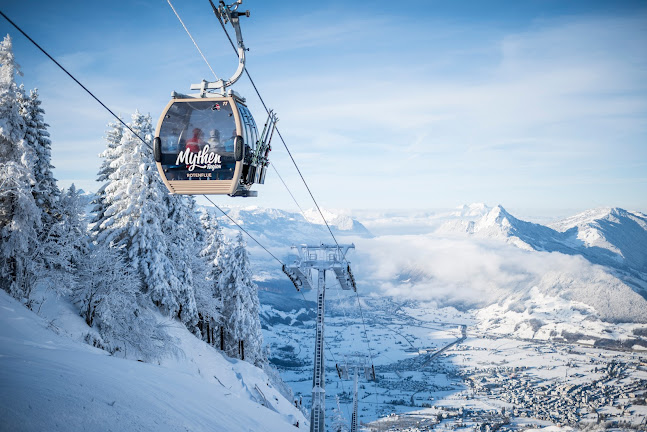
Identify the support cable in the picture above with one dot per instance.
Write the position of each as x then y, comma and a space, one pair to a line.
72, 76
194, 42
278, 131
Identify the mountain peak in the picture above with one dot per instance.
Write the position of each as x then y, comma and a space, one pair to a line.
497, 217
472, 210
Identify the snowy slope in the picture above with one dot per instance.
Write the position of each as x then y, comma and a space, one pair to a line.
50, 382
611, 236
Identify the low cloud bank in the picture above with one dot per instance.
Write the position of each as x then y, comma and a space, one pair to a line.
474, 273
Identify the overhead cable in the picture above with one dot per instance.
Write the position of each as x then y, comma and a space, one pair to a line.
194, 42
277, 130
72, 76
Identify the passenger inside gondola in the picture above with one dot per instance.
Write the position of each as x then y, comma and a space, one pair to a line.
214, 142
195, 144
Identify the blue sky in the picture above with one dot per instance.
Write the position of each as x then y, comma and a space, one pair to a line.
423, 104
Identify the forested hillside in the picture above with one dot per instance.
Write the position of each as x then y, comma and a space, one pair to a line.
140, 262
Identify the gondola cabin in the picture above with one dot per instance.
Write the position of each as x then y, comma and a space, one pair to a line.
210, 145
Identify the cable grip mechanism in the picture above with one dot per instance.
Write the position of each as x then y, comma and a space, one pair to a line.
227, 14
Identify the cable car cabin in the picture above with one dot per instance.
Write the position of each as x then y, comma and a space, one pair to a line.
210, 145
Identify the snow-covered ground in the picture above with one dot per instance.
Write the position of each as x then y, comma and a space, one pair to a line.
540, 307
512, 283
51, 381
486, 379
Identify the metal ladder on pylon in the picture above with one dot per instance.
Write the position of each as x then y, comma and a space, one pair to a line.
321, 258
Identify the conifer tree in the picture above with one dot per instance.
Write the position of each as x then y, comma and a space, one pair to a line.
208, 296
135, 211
66, 245
20, 217
62, 232
113, 139
45, 190
241, 307
109, 299
339, 422
215, 246
185, 236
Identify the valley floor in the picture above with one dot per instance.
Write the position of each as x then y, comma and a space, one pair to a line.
438, 370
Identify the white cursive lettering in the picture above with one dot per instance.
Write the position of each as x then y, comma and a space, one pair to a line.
201, 159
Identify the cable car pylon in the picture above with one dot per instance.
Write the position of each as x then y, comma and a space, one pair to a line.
356, 362
322, 258
208, 143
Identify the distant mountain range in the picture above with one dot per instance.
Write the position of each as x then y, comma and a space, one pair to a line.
612, 237
282, 227
566, 299
580, 278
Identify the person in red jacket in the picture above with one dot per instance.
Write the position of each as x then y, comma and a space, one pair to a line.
194, 144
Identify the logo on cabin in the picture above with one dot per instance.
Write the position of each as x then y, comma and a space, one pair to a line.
203, 159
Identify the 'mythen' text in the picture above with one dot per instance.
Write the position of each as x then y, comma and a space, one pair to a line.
201, 159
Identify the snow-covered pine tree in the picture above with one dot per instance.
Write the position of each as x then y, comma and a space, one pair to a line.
101, 273
241, 307
185, 237
46, 192
134, 212
66, 243
62, 235
208, 296
113, 139
339, 422
20, 217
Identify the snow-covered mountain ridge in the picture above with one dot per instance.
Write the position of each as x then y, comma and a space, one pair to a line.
612, 237
477, 269
283, 226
